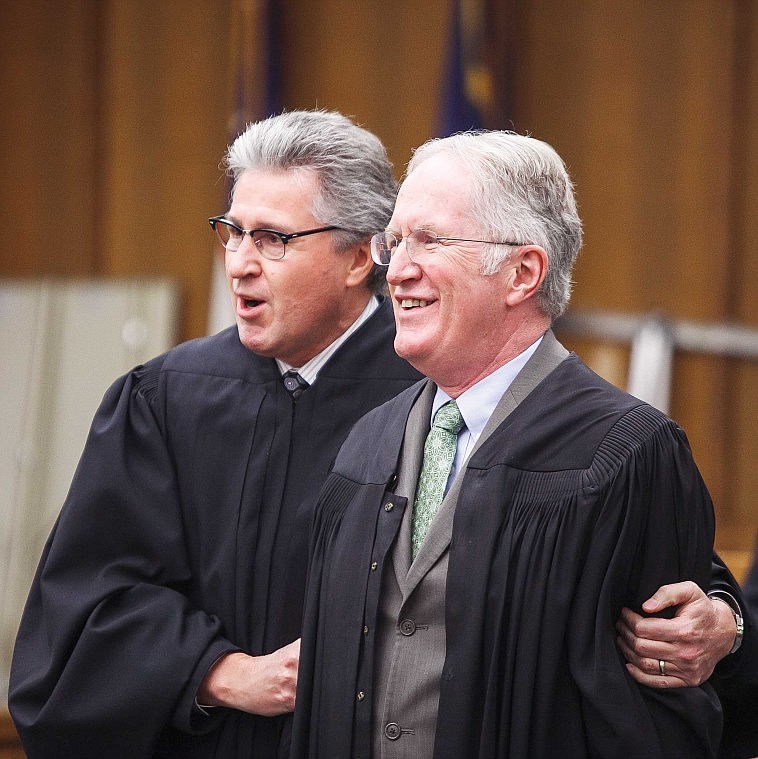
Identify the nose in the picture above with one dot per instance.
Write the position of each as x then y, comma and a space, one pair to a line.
243, 262
402, 267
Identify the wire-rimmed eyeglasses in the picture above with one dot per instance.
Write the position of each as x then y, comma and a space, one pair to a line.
270, 243
419, 242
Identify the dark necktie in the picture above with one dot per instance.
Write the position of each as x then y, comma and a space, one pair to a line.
294, 384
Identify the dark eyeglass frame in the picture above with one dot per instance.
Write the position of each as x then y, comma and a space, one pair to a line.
285, 237
435, 240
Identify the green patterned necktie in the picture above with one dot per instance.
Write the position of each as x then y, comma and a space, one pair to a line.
439, 453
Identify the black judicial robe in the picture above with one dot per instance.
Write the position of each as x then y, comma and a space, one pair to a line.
184, 536
583, 501
736, 678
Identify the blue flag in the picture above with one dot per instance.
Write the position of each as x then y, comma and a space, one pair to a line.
255, 64
257, 68
457, 111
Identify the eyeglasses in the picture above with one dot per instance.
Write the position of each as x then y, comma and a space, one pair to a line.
418, 243
270, 242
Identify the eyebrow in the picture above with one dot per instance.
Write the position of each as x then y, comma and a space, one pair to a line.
423, 227
238, 223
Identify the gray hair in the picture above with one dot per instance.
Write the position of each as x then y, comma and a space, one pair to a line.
521, 191
357, 189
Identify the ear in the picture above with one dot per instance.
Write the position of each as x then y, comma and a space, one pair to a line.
529, 268
360, 265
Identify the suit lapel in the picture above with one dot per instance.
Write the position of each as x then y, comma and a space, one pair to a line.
416, 430
548, 355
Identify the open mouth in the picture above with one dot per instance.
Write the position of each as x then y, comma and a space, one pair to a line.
249, 303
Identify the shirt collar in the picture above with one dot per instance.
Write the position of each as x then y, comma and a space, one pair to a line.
478, 402
310, 369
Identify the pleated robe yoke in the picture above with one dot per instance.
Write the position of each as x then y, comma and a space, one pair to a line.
413, 592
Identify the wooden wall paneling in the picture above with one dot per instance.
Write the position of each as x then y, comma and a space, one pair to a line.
688, 270
10, 746
379, 63
166, 110
48, 96
699, 404
742, 528
576, 87
114, 113
700, 273
639, 99
744, 165
601, 81
114, 118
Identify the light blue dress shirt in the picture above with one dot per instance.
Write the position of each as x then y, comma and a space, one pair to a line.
478, 402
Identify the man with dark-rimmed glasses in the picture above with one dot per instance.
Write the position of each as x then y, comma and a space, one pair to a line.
165, 617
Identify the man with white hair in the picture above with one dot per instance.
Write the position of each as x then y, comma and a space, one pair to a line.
479, 535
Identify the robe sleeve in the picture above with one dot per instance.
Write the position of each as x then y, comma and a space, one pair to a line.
736, 676
654, 525
315, 646
730, 668
110, 650
751, 585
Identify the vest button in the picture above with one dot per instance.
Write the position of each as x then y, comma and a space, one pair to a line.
407, 627
392, 731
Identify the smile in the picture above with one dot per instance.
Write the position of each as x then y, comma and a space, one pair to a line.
414, 303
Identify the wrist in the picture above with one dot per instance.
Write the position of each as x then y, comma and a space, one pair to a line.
221, 684
726, 599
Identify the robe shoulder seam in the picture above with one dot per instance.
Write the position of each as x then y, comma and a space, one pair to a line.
632, 433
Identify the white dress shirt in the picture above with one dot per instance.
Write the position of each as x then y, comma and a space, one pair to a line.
310, 369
